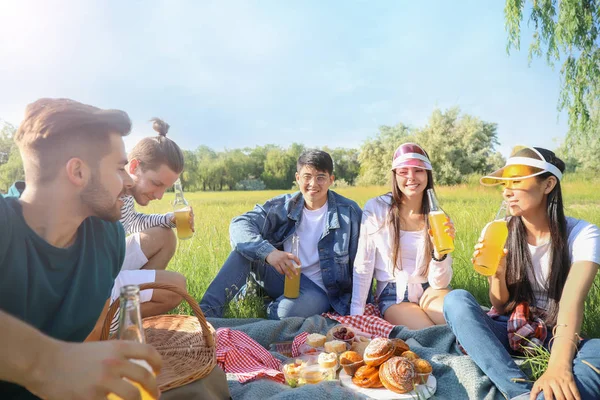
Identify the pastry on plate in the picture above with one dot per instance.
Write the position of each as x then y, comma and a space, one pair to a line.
315, 340
328, 360
351, 361
400, 346
335, 346
378, 351
423, 370
398, 374
367, 377
410, 355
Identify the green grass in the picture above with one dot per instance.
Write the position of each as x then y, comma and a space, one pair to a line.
470, 206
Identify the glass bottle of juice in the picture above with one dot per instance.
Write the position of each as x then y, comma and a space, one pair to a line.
442, 241
130, 328
182, 212
494, 236
291, 288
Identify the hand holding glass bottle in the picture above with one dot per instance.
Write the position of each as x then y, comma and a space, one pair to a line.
291, 288
441, 227
130, 328
183, 214
489, 251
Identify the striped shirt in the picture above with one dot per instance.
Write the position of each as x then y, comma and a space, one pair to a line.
134, 221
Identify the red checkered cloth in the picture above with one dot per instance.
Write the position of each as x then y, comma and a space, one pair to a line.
525, 329
370, 323
239, 354
298, 341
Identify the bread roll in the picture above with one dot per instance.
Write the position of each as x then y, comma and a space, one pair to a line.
315, 340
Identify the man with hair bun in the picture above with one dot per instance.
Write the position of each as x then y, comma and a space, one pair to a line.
154, 164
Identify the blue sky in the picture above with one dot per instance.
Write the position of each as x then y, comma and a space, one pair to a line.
232, 74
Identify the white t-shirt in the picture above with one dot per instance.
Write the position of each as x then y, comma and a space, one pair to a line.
410, 241
584, 245
310, 230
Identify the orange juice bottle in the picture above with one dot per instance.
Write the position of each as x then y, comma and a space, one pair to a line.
182, 212
494, 236
130, 328
291, 287
442, 241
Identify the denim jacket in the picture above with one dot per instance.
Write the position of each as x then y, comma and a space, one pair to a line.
257, 233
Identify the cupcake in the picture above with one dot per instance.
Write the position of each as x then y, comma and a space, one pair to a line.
423, 369
400, 346
360, 344
378, 351
328, 360
410, 355
315, 340
351, 361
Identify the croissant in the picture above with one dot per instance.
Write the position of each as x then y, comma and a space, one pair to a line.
367, 377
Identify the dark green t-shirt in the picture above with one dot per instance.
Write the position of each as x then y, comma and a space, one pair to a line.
60, 291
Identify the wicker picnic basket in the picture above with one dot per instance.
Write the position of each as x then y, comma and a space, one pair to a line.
186, 343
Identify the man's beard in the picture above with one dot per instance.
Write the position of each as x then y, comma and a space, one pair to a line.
99, 200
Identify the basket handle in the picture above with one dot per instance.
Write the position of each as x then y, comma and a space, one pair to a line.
206, 329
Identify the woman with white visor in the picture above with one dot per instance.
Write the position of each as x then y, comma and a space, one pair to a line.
549, 266
395, 247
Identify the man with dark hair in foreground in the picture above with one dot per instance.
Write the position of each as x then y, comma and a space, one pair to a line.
61, 248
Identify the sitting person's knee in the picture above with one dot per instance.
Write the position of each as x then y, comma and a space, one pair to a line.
454, 299
169, 237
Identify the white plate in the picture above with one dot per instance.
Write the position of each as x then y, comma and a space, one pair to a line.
425, 391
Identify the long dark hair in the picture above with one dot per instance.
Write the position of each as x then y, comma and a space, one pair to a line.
518, 259
394, 220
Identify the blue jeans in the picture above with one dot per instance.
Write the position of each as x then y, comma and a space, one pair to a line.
233, 276
486, 342
387, 298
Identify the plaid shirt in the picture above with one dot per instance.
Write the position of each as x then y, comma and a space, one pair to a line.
525, 329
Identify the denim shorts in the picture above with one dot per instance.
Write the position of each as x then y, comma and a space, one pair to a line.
387, 298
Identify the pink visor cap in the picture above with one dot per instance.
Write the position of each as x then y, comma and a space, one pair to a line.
411, 155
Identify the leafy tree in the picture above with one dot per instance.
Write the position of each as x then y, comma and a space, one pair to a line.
376, 154
581, 152
345, 164
235, 167
568, 30
7, 131
280, 168
12, 170
189, 177
206, 167
458, 145
11, 165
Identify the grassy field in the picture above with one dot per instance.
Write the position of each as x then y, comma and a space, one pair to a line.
470, 207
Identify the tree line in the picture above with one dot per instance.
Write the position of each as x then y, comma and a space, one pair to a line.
458, 144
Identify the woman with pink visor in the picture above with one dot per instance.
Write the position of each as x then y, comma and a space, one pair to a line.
539, 288
396, 249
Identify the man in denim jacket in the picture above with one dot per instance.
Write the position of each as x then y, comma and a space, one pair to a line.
327, 226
